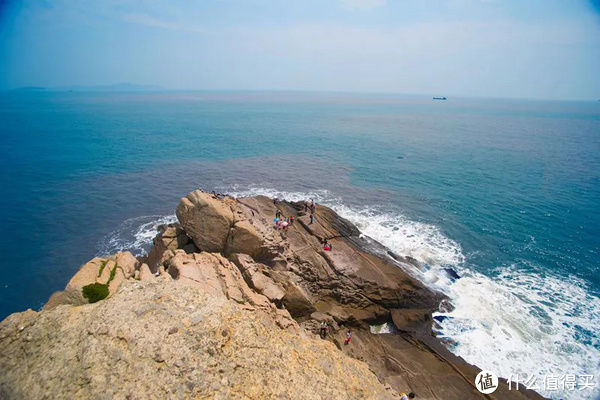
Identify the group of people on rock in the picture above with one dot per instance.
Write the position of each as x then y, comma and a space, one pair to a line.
281, 223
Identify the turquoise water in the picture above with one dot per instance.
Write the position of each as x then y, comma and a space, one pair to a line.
504, 192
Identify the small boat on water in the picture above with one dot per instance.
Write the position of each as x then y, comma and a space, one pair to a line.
440, 98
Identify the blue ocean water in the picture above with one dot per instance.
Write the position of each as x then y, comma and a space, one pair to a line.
505, 192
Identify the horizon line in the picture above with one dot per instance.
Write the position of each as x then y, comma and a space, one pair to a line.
148, 88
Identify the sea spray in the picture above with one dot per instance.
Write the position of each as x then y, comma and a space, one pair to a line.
134, 235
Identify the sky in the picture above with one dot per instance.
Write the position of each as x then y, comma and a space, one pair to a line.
488, 48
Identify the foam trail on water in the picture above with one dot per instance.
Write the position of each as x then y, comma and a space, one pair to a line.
518, 322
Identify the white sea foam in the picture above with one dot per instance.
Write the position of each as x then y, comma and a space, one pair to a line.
525, 323
386, 327
517, 322
134, 234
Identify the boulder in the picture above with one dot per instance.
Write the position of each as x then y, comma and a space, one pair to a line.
145, 274
206, 220
103, 271
244, 238
254, 276
174, 237
87, 274
411, 320
127, 262
296, 301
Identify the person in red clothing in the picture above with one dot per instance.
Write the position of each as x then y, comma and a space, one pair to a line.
348, 338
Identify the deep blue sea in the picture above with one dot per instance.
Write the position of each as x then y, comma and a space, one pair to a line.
505, 192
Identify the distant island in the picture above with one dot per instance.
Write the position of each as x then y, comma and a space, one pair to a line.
440, 98
116, 87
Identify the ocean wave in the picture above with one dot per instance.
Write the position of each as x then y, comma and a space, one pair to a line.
523, 323
134, 235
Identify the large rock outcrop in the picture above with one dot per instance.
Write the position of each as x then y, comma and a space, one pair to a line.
356, 284
206, 220
103, 273
226, 306
220, 225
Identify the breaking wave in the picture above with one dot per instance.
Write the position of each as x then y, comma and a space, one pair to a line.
134, 235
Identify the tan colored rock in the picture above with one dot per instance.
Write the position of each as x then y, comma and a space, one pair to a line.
296, 301
160, 340
410, 320
196, 270
244, 238
56, 299
145, 274
253, 274
97, 270
107, 270
356, 284
206, 220
118, 278
88, 273
127, 262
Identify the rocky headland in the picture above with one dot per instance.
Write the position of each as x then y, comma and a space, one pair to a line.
224, 306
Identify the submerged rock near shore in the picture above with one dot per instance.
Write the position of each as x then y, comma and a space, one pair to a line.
226, 306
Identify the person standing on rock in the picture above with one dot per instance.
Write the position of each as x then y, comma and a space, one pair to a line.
324, 329
278, 214
312, 218
305, 207
348, 338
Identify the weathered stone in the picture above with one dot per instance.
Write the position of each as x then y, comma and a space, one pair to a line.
411, 320
206, 220
244, 238
127, 262
145, 274
296, 301
88, 273
356, 284
253, 275
126, 353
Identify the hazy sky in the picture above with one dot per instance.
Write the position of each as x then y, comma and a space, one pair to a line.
520, 48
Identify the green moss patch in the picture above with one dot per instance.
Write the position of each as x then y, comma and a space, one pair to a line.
102, 267
112, 274
95, 292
